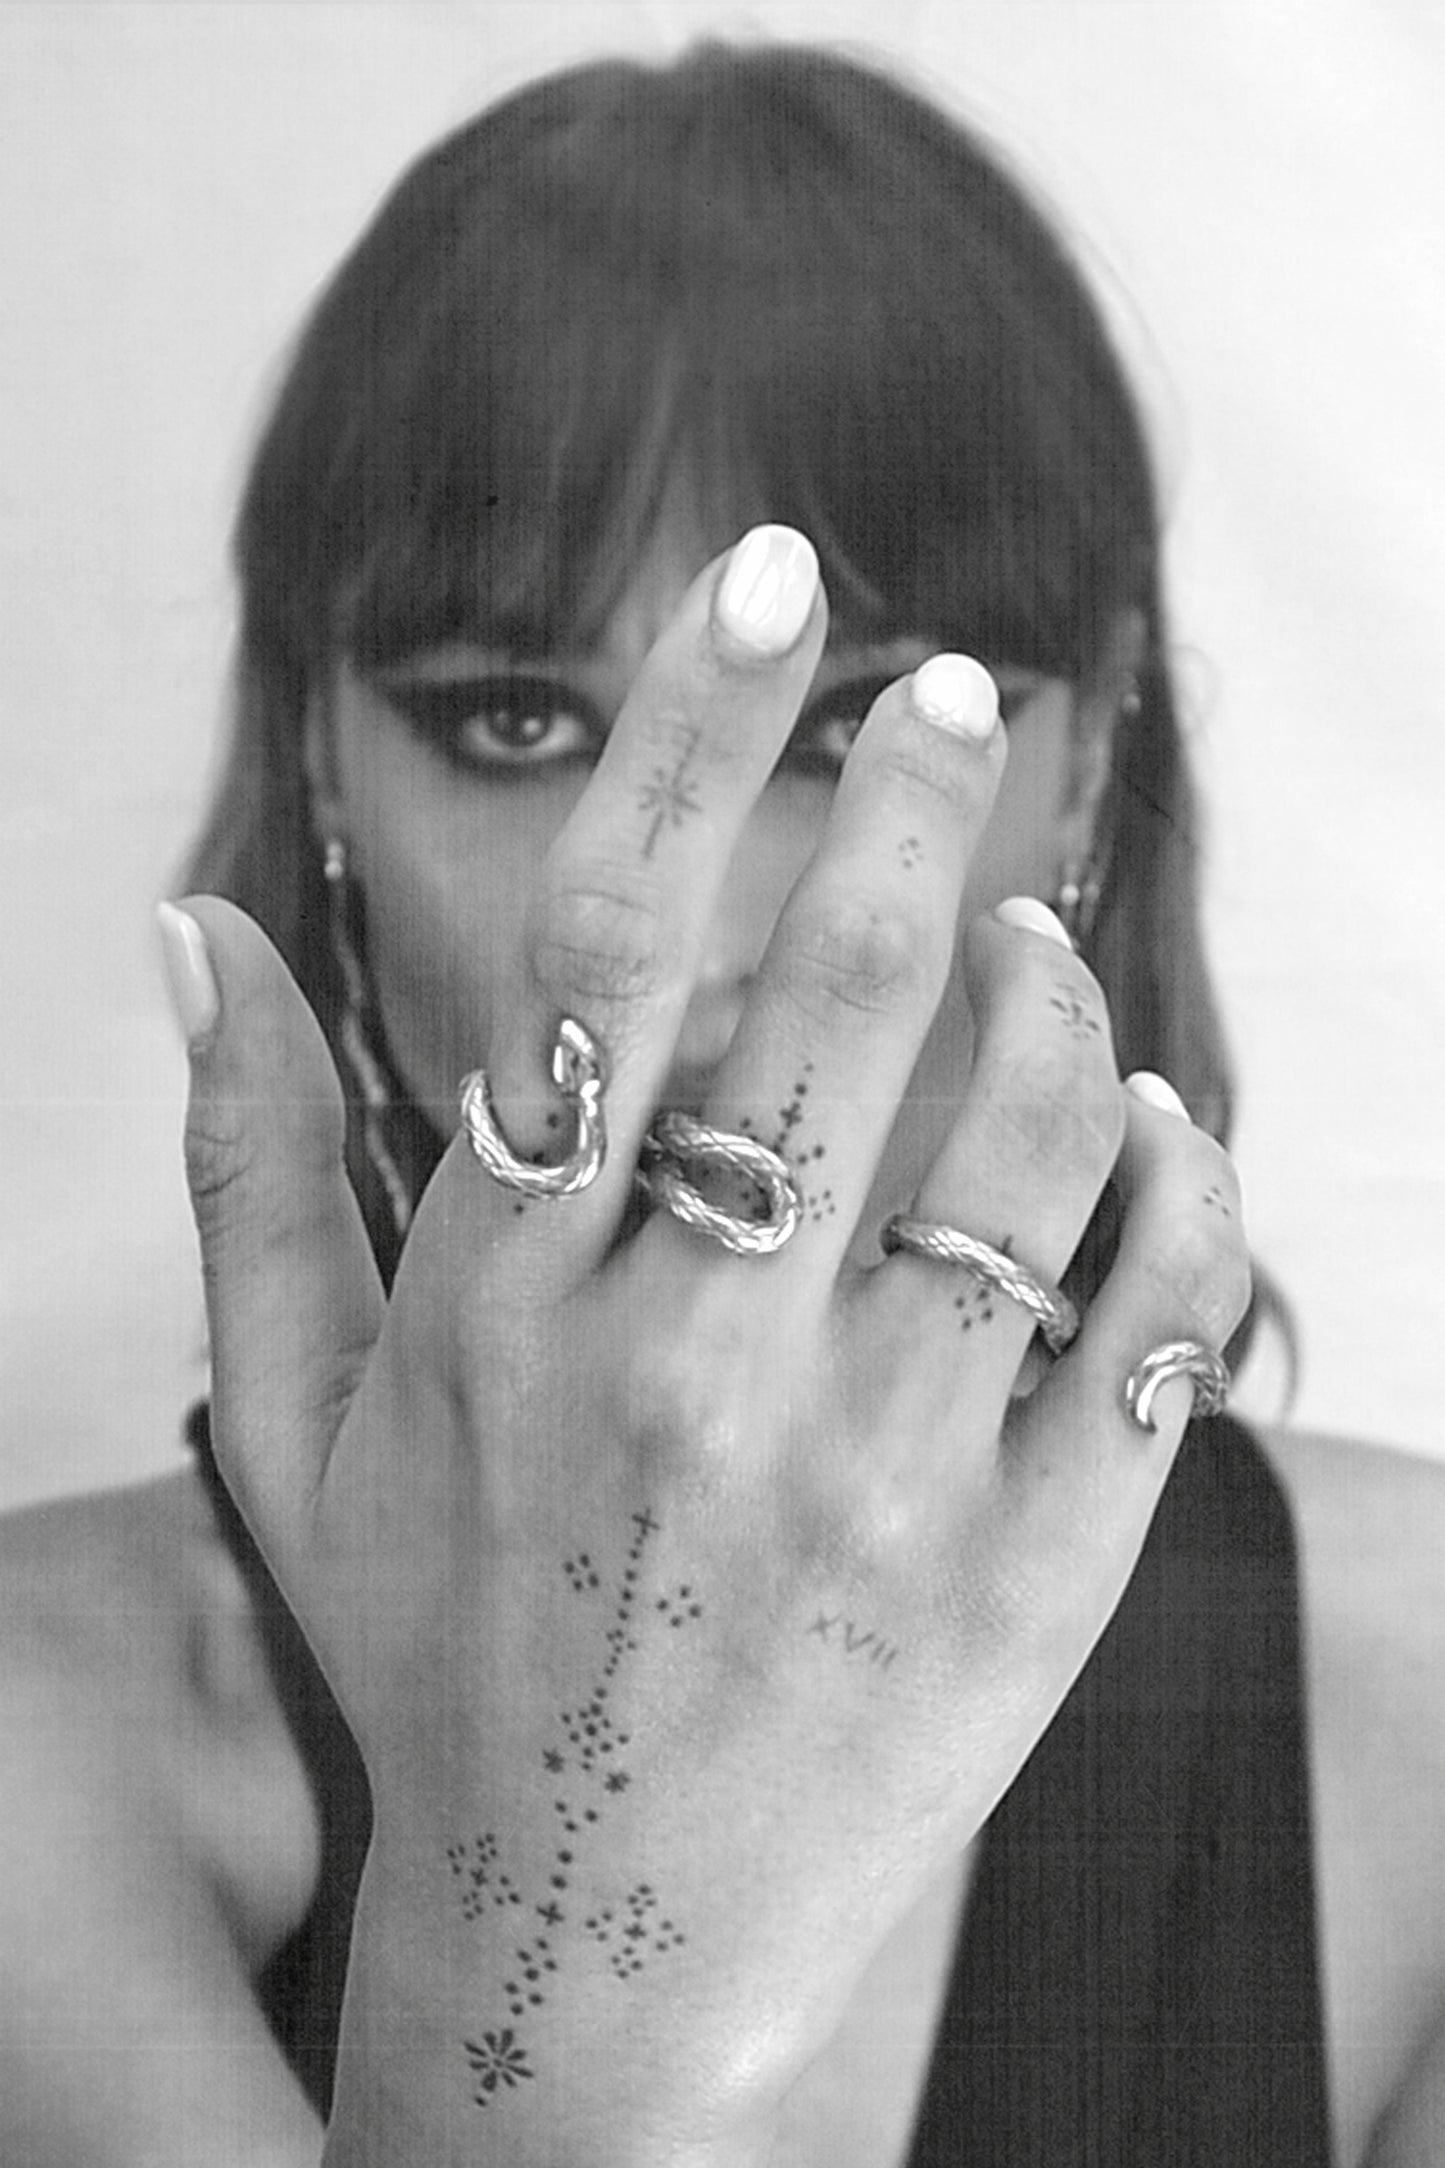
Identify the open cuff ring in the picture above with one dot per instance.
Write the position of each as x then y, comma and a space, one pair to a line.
579, 1071
1176, 1359
679, 1143
1050, 1309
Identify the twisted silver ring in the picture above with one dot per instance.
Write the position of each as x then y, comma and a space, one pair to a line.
677, 1142
1050, 1309
579, 1071
1176, 1359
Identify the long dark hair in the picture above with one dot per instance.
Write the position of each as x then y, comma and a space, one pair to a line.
787, 275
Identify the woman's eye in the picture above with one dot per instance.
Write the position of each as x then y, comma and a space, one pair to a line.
499, 723
823, 737
824, 733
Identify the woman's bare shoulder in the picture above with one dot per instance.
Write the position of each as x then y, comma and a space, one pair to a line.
1371, 1527
83, 1574
1370, 1523
93, 1582
135, 1663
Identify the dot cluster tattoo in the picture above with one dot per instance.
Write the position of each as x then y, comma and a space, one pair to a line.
976, 1299
586, 1752
679, 1607
477, 1866
635, 1935
818, 1203
975, 1305
1079, 1019
910, 853
1215, 1200
536, 1159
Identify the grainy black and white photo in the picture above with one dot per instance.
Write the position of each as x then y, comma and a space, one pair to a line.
725, 1023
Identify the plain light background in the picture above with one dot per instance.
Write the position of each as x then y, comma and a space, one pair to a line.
1259, 189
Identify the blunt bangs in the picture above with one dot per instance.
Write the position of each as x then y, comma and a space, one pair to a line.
788, 287
768, 273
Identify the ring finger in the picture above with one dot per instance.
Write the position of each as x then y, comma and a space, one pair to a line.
1037, 1135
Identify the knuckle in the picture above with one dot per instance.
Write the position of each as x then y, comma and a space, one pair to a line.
221, 1155
921, 761
1203, 1272
602, 934
860, 958
254, 1169
1055, 1113
681, 1404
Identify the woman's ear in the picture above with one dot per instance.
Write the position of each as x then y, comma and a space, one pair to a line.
1100, 704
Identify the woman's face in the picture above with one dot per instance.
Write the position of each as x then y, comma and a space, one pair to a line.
449, 776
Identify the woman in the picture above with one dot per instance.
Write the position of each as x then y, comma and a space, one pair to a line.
697, 1582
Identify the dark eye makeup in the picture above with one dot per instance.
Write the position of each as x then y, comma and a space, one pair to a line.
510, 725
502, 723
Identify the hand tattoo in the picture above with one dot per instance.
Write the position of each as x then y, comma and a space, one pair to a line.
586, 1751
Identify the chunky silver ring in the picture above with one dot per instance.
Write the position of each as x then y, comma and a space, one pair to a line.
1176, 1359
1050, 1309
677, 1142
579, 1071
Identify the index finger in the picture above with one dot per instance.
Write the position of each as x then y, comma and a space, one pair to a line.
625, 896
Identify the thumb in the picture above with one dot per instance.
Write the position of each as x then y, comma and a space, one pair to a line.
293, 1298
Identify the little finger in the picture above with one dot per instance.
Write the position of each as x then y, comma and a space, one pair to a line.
1181, 1277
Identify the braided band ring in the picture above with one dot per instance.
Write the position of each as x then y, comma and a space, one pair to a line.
1050, 1309
677, 1142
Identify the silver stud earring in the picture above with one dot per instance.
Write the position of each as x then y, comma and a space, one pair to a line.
372, 1081
1077, 901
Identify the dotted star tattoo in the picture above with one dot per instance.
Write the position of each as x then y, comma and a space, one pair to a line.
668, 795
587, 1757
818, 1201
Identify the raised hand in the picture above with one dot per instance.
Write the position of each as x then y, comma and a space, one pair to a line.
691, 1608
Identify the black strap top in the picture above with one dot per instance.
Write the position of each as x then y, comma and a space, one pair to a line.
1138, 1982
1137, 1985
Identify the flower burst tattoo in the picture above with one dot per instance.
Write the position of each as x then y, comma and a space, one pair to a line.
498, 2058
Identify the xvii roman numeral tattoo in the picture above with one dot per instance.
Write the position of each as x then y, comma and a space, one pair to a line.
851, 1639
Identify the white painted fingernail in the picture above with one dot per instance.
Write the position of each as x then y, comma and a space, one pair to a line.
765, 596
957, 694
192, 982
1156, 1091
1031, 916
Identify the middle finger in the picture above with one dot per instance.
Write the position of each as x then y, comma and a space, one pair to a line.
863, 949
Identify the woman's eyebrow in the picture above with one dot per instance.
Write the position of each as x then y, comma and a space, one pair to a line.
848, 653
